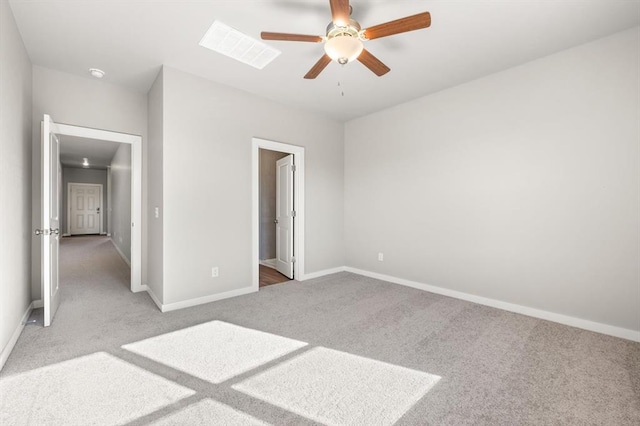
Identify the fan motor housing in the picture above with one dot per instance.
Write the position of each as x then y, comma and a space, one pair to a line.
353, 30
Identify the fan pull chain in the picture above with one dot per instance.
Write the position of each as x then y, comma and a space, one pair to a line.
340, 87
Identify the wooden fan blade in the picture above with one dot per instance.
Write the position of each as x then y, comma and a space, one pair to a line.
290, 37
373, 63
340, 12
318, 67
403, 25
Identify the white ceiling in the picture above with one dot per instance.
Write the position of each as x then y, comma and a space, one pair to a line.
99, 153
468, 39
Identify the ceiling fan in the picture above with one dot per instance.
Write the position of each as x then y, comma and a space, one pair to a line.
343, 42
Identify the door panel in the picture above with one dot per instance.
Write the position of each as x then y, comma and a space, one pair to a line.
50, 232
84, 209
284, 216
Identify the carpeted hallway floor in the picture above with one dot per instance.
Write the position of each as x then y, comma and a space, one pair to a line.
341, 349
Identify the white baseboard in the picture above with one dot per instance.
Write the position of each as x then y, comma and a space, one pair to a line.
322, 273
140, 288
66, 235
38, 304
269, 263
153, 297
127, 261
6, 351
200, 300
597, 327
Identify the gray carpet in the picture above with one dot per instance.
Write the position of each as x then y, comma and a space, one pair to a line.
494, 367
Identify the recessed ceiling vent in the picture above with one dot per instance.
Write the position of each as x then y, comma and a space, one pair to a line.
230, 42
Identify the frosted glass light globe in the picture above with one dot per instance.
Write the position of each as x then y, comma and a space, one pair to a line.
343, 48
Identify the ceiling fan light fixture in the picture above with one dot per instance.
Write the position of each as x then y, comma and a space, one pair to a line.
344, 37
343, 48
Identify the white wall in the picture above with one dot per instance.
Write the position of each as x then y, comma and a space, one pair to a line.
15, 179
83, 102
155, 187
121, 200
208, 130
522, 186
78, 175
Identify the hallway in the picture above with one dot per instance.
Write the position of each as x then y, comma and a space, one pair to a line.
90, 263
96, 302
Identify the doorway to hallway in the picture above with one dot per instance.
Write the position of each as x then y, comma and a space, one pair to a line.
122, 153
278, 212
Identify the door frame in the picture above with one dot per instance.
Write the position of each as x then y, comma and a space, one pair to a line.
298, 204
69, 204
136, 189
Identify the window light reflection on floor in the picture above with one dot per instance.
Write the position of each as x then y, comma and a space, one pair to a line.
93, 389
205, 412
334, 387
215, 351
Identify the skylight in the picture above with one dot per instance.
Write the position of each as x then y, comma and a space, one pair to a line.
230, 42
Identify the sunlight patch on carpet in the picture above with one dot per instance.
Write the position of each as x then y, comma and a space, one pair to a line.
215, 351
208, 412
93, 389
338, 388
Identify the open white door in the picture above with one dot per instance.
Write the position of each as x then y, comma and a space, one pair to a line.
284, 216
50, 231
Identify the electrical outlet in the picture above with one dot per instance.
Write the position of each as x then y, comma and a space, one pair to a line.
380, 257
215, 272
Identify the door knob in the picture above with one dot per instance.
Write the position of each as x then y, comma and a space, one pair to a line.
54, 231
275, 221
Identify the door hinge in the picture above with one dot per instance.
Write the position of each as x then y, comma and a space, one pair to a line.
293, 213
293, 260
293, 167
